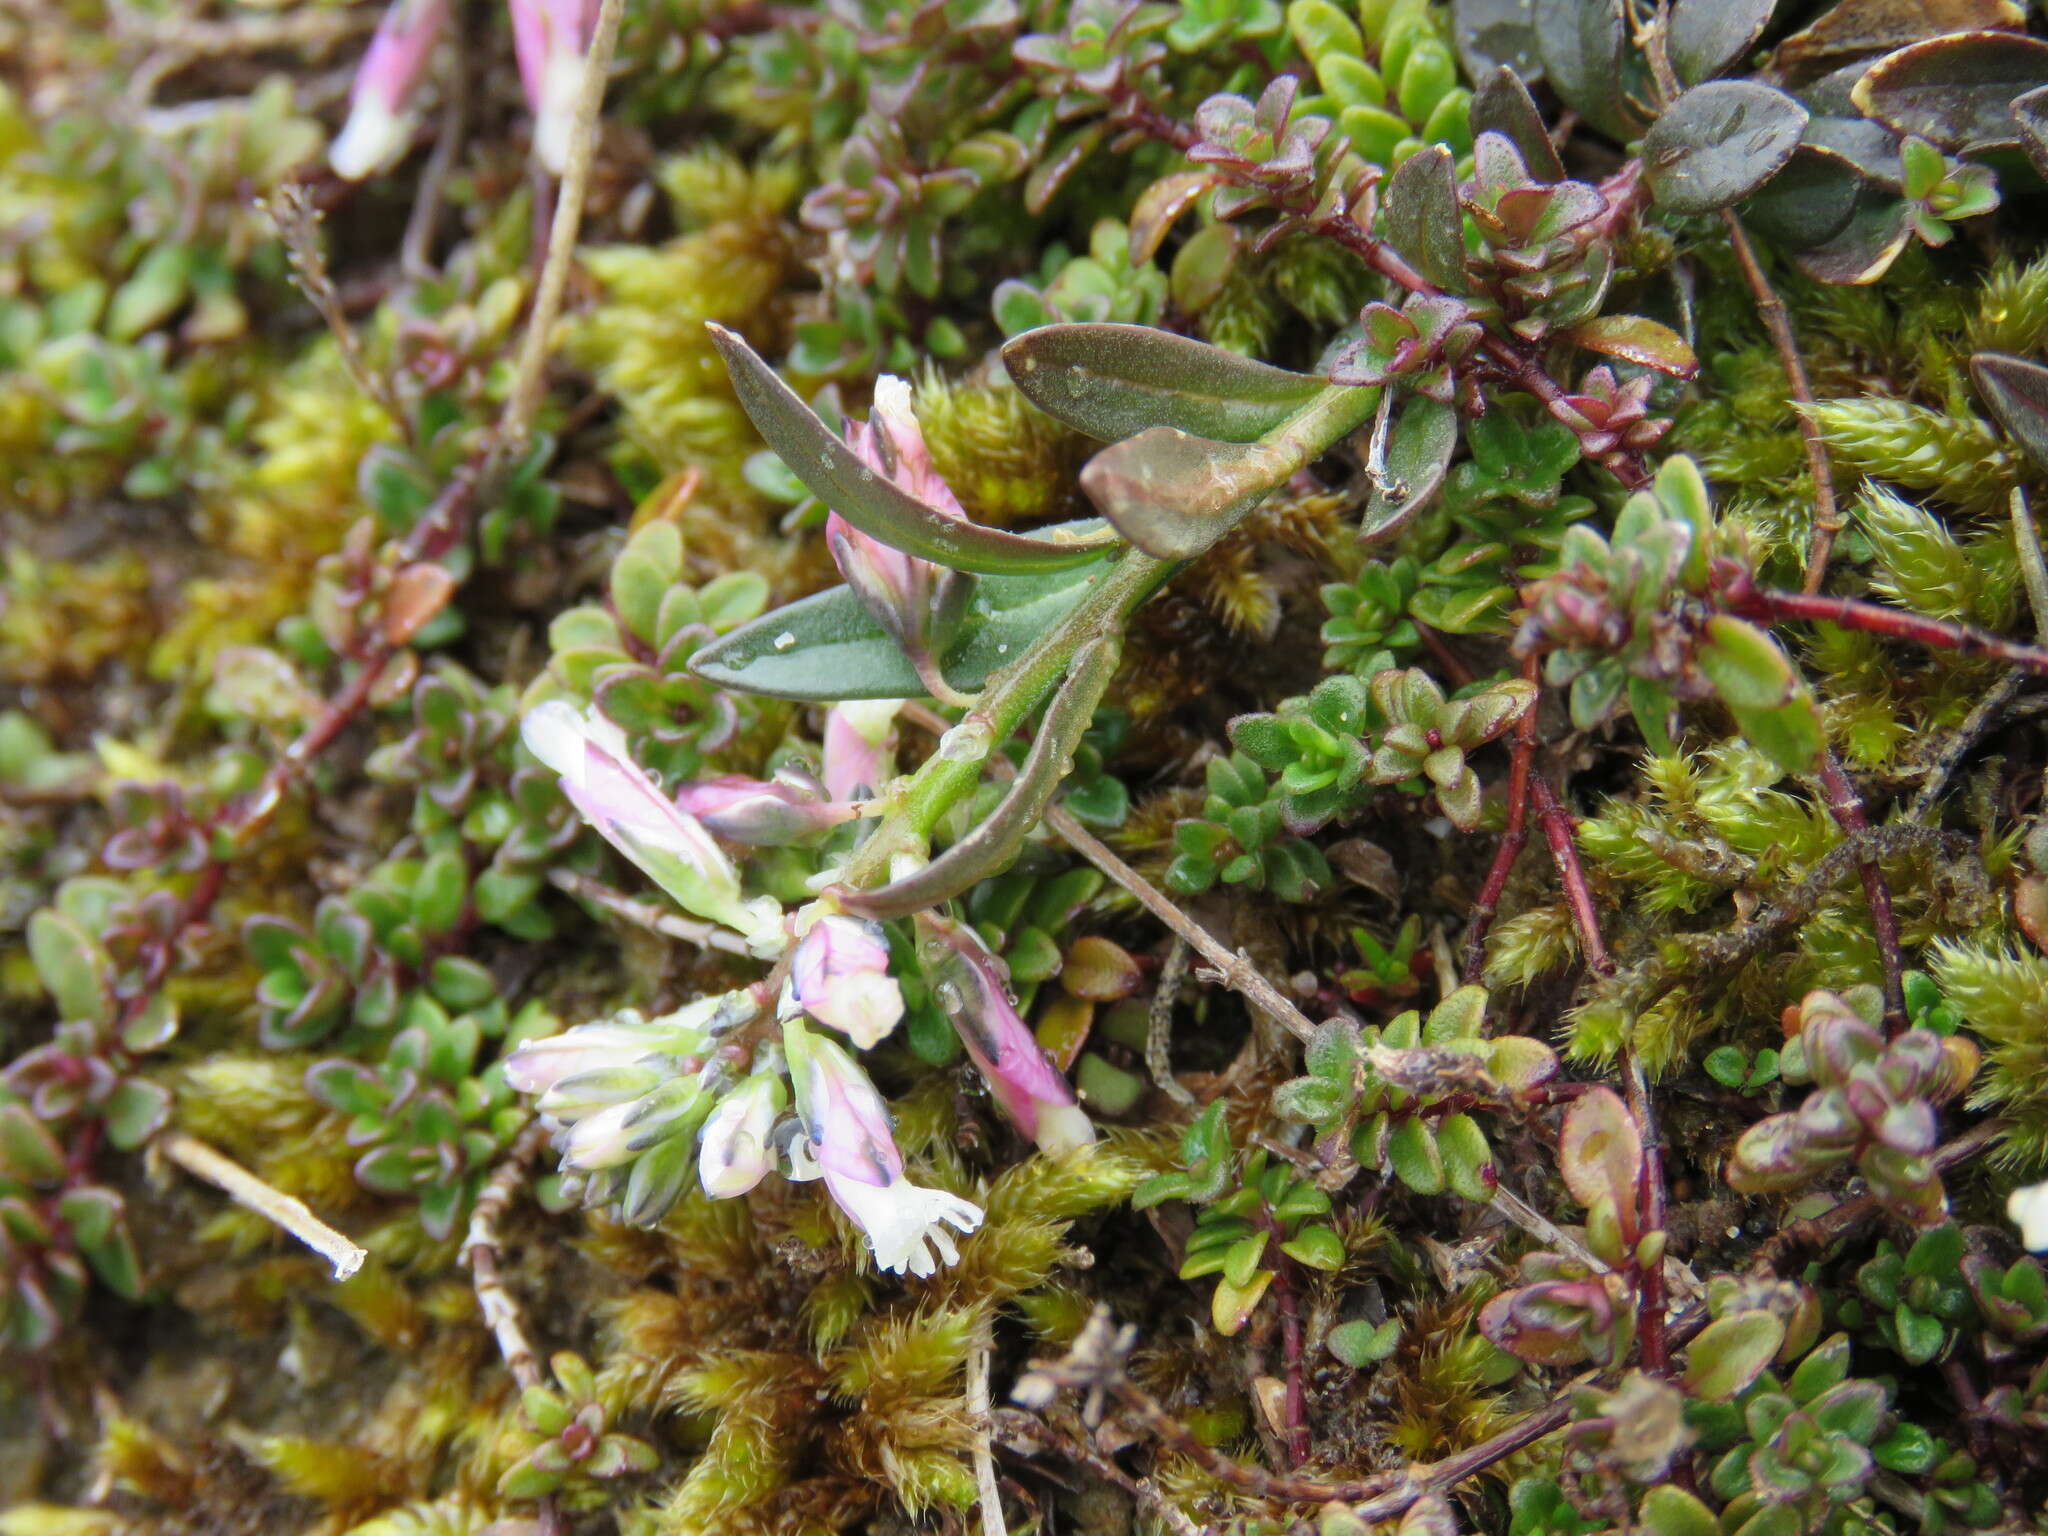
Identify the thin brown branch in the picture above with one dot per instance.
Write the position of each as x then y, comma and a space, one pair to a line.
274, 1205
530, 376
1776, 607
1235, 970
1827, 515
1650, 1321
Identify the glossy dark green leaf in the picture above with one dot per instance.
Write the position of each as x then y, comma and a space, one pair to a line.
1718, 143
1706, 36
1423, 221
1863, 251
1870, 148
1806, 204
1496, 34
825, 647
2016, 391
1419, 450
1581, 44
820, 458
1957, 90
1115, 381
1503, 105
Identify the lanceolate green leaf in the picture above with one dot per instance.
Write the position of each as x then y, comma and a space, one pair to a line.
825, 647
1115, 381
820, 458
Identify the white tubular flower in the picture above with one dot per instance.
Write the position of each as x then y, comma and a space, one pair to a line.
2028, 1208
848, 1127
380, 115
613, 794
735, 1156
840, 977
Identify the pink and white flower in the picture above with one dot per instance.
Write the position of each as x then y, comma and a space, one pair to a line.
768, 813
551, 38
970, 986
380, 104
919, 605
851, 1147
840, 977
860, 740
617, 797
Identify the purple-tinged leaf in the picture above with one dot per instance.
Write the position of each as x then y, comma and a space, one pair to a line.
1957, 90
1600, 1151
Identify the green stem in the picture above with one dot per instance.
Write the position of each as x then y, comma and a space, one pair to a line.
1005, 703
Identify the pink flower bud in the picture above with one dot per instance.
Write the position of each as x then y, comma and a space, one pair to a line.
765, 812
840, 977
968, 983
379, 117
859, 740
919, 605
613, 794
550, 38
855, 1152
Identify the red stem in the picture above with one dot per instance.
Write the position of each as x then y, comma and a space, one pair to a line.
1290, 1354
1846, 806
1650, 1323
1770, 605
1513, 839
1557, 831
439, 529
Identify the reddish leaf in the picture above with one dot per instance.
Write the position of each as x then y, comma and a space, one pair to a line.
1636, 339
